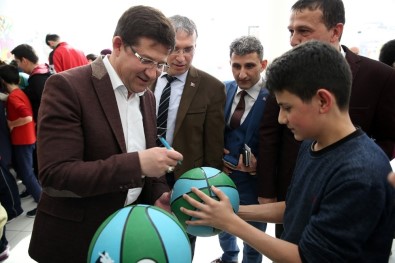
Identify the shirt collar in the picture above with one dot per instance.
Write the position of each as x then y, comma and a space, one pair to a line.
254, 90
182, 77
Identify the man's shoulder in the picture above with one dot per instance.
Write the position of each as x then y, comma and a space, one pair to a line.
230, 83
366, 63
203, 75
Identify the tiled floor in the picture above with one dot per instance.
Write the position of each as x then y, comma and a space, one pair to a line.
18, 234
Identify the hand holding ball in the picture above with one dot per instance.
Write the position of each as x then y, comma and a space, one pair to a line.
202, 178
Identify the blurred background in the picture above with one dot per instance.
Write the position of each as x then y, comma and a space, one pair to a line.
89, 25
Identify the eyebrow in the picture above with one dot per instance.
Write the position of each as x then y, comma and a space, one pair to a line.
147, 56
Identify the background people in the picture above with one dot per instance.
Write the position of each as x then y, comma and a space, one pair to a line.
9, 193
387, 53
4, 247
91, 57
63, 55
27, 60
23, 135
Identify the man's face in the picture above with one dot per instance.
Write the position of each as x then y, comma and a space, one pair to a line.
247, 69
180, 59
51, 44
308, 24
22, 64
135, 75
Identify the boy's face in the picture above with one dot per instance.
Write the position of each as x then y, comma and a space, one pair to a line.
300, 117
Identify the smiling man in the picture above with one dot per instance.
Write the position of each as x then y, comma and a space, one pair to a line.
194, 125
97, 139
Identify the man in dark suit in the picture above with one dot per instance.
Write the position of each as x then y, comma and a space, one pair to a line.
195, 123
97, 135
371, 105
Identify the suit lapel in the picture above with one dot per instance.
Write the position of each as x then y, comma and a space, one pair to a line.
191, 87
105, 93
353, 61
256, 113
147, 108
231, 88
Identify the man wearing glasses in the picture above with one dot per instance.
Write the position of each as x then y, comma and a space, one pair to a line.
97, 130
195, 121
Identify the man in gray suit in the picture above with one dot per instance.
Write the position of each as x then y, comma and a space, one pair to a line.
97, 130
195, 123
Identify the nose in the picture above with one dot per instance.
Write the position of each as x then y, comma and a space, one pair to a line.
282, 118
294, 40
152, 72
180, 56
242, 73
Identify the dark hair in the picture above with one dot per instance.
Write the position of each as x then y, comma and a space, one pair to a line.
13, 63
51, 37
144, 21
25, 51
91, 57
246, 45
308, 67
183, 23
106, 51
9, 74
387, 53
332, 10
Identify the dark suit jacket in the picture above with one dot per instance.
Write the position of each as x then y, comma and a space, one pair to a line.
252, 120
85, 171
371, 108
199, 128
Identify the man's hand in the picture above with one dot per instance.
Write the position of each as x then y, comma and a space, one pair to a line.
156, 161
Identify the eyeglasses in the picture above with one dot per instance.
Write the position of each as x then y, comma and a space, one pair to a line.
149, 62
186, 51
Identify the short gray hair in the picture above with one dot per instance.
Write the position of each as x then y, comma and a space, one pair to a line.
245, 45
183, 23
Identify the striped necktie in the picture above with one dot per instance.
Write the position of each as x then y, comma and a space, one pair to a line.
161, 120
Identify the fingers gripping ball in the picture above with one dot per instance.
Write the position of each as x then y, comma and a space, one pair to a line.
140, 234
202, 178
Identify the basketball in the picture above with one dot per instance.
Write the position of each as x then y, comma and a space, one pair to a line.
202, 178
140, 233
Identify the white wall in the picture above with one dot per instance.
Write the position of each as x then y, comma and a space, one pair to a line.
89, 25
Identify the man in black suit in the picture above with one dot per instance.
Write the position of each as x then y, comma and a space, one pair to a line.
371, 105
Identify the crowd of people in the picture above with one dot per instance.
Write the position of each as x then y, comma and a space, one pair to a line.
318, 129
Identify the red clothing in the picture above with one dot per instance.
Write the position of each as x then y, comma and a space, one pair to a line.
66, 57
18, 106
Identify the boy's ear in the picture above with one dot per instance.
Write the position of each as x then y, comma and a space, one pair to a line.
326, 100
